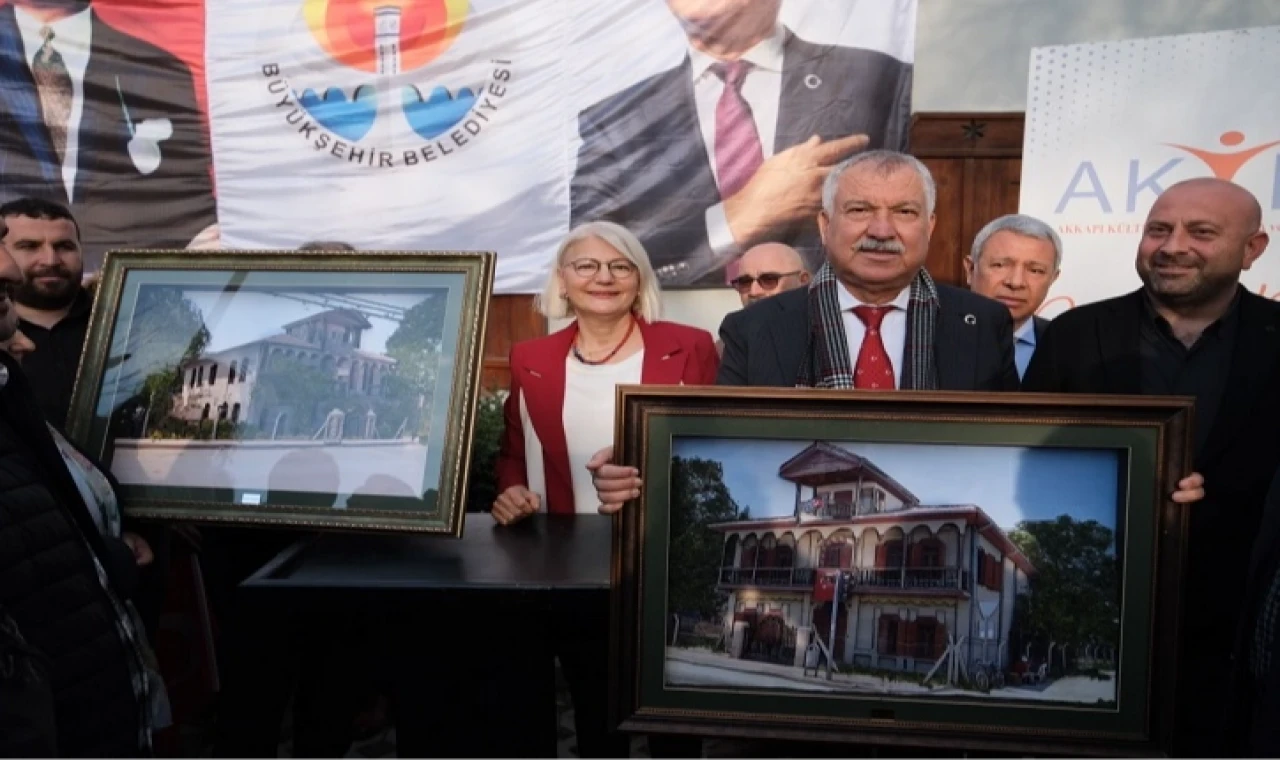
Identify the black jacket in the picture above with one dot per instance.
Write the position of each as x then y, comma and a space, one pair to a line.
765, 343
49, 583
1095, 349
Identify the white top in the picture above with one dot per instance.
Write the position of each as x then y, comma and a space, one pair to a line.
72, 37
893, 330
762, 89
588, 417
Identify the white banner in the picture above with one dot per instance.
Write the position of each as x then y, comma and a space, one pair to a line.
1110, 125
454, 124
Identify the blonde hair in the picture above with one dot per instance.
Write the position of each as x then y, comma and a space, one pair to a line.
553, 304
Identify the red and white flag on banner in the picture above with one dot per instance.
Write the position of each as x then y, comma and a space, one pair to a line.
824, 586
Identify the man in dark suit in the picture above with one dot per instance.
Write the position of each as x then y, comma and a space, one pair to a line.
730, 148
1193, 330
103, 123
1015, 259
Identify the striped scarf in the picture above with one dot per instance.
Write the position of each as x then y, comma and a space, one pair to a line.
827, 363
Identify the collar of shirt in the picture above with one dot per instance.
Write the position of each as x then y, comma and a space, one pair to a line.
1224, 323
71, 38
848, 300
766, 54
1027, 333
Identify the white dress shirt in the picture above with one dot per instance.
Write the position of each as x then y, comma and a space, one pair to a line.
72, 37
893, 330
762, 89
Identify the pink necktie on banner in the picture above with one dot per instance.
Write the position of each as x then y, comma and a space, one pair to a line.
738, 151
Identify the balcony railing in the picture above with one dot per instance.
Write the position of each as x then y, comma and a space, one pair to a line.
861, 578
834, 509
767, 576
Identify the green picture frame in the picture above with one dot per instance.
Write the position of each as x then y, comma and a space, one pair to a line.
883, 603
327, 390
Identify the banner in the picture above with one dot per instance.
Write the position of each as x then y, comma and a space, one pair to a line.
452, 124
1110, 125
102, 110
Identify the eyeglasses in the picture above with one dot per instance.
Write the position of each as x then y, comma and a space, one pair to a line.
767, 280
586, 268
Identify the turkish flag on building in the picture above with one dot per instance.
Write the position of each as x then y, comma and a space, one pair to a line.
824, 587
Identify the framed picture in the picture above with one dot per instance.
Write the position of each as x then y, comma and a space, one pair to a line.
983, 571
309, 389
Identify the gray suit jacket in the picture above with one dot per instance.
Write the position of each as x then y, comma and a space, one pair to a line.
643, 163
765, 343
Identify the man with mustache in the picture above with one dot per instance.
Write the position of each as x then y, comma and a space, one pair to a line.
1015, 259
44, 240
1193, 330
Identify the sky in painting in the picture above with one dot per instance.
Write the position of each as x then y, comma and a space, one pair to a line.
1009, 483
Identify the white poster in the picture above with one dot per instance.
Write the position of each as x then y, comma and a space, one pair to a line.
457, 124
1110, 125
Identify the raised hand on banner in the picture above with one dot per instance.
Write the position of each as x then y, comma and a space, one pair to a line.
787, 188
209, 239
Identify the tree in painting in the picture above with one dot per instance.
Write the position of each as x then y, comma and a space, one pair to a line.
415, 345
699, 497
1073, 606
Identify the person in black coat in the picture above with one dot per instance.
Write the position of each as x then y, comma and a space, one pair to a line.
64, 591
1193, 330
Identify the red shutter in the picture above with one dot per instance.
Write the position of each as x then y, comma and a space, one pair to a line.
914, 555
907, 641
748, 558
939, 639
880, 555
981, 574
846, 555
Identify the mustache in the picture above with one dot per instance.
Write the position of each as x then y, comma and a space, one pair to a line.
1174, 259
880, 246
57, 270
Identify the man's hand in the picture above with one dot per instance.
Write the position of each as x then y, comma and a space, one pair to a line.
1190, 489
786, 189
515, 504
615, 485
142, 553
208, 239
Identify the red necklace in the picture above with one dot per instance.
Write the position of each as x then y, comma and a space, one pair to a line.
578, 354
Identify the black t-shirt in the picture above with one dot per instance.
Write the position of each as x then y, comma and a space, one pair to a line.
51, 368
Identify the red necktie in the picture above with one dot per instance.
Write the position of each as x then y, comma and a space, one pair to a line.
738, 151
874, 370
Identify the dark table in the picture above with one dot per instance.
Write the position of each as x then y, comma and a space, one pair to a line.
541, 553
461, 631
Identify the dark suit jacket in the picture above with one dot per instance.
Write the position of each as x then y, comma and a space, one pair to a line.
1252, 724
1038, 325
643, 163
765, 343
1095, 349
673, 354
115, 204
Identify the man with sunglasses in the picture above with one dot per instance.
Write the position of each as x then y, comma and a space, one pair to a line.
767, 270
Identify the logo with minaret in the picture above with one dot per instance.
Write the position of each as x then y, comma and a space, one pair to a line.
391, 101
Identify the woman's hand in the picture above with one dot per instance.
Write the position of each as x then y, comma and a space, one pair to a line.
615, 484
142, 553
515, 504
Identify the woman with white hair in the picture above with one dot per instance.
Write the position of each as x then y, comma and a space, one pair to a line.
559, 413
560, 410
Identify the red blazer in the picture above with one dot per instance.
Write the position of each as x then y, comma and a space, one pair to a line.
673, 354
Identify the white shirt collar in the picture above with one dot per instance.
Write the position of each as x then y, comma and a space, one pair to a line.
766, 54
847, 300
72, 36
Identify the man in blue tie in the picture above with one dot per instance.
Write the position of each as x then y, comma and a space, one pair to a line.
1015, 259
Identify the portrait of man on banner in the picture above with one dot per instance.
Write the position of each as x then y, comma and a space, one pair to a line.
104, 122
729, 148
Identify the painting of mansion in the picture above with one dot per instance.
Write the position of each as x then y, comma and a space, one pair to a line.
220, 385
904, 580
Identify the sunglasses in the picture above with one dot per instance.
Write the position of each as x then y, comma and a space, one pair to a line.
767, 280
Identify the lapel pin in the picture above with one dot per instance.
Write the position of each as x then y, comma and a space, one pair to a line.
813, 81
969, 319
